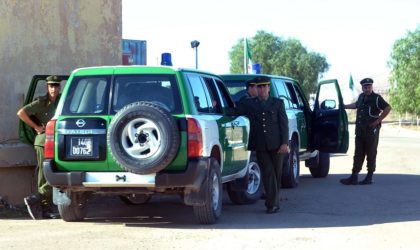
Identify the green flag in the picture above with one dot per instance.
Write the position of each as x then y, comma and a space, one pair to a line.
351, 84
353, 90
247, 57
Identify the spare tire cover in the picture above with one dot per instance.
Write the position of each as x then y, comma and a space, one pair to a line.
143, 138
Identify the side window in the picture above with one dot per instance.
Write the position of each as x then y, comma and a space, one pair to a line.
200, 92
224, 94
328, 97
279, 85
300, 97
214, 95
293, 97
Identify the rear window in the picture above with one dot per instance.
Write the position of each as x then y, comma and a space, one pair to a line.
158, 89
236, 89
87, 95
90, 95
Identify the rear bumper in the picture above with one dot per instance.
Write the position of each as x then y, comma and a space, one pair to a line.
194, 175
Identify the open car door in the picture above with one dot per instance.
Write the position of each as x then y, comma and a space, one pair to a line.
329, 119
37, 88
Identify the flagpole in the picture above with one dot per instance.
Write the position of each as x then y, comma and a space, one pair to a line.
245, 58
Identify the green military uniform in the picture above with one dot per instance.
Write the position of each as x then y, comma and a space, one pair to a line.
369, 108
42, 109
269, 130
40, 112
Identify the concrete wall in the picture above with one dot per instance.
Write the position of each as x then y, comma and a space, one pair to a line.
48, 37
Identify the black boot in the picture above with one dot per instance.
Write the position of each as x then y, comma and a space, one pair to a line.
49, 211
368, 179
352, 180
33, 203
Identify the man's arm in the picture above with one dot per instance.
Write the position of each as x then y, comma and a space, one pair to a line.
284, 126
240, 109
384, 114
350, 106
26, 119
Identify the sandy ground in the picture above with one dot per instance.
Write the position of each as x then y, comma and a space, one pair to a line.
319, 214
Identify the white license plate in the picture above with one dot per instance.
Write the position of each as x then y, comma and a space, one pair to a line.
81, 146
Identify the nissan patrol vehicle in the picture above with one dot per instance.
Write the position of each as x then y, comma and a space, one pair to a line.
314, 133
138, 131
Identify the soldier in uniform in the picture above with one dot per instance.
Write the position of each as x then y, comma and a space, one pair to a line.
268, 137
36, 115
251, 90
371, 110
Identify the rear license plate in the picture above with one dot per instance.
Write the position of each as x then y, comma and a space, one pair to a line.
81, 146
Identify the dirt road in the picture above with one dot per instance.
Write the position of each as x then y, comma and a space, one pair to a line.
319, 214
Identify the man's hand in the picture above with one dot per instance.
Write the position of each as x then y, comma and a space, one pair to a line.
284, 149
39, 129
375, 123
26, 119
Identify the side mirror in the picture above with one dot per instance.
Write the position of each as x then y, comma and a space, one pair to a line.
328, 104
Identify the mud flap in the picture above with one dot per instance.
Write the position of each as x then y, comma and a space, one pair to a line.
60, 198
197, 197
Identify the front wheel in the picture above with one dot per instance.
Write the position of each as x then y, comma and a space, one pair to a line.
322, 169
291, 168
210, 212
253, 182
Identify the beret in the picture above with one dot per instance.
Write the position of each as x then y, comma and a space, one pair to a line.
261, 80
366, 81
53, 80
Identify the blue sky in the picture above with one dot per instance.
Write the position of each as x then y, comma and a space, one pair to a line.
355, 36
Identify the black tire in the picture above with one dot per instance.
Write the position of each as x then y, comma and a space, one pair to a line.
135, 199
323, 167
210, 212
291, 167
143, 150
253, 182
76, 210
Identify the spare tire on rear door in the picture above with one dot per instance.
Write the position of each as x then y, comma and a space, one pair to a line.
143, 138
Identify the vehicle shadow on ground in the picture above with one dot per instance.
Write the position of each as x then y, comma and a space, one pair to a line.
315, 203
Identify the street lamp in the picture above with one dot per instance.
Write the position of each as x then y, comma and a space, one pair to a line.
194, 44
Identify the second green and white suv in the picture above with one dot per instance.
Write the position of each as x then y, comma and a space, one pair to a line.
314, 133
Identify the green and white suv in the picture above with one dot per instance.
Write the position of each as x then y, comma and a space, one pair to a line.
314, 133
137, 131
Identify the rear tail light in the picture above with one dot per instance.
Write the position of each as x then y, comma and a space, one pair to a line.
195, 138
49, 140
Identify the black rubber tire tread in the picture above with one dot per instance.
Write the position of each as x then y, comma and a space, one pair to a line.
76, 211
206, 214
288, 179
243, 197
167, 126
323, 168
138, 200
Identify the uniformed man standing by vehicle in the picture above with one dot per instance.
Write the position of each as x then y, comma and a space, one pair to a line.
36, 115
268, 137
251, 90
371, 110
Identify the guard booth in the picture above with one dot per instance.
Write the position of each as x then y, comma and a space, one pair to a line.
134, 52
